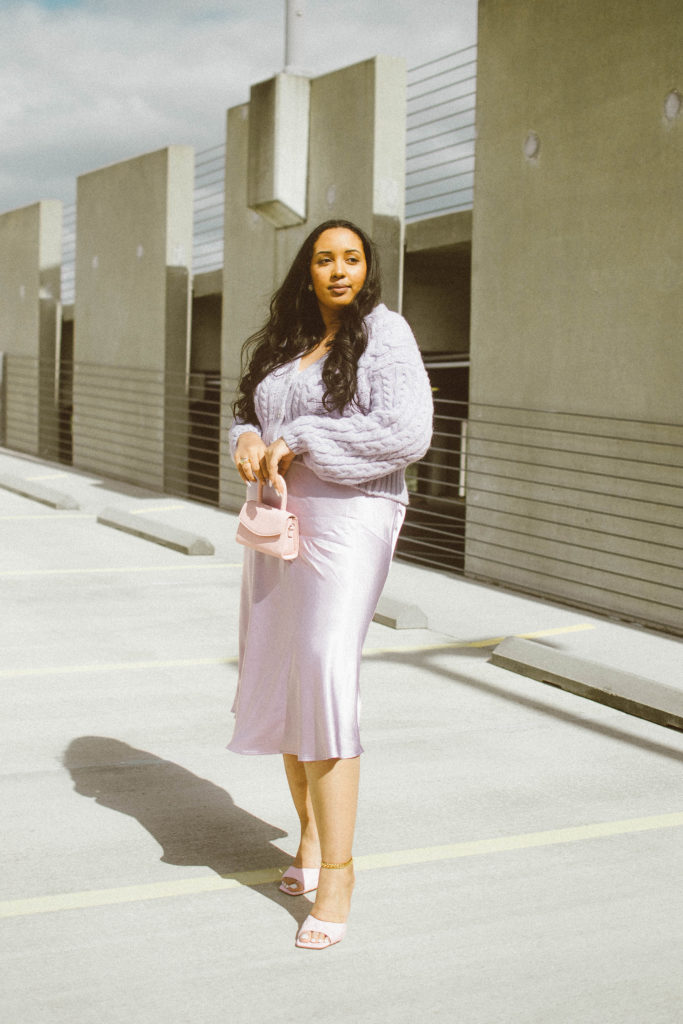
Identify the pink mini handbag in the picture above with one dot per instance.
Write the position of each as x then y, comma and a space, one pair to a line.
273, 531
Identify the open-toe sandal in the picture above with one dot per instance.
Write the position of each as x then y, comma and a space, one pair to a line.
306, 877
332, 932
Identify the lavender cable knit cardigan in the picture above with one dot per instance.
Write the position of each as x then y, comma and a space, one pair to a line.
367, 449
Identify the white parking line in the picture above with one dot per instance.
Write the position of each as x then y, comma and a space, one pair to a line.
121, 568
48, 476
159, 508
133, 666
53, 516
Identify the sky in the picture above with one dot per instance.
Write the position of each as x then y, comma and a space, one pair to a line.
85, 83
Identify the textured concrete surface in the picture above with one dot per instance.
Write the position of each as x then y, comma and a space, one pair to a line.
518, 848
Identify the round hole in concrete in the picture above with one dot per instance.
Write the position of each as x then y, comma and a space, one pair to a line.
532, 145
672, 105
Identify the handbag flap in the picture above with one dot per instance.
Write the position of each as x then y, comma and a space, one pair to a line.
262, 519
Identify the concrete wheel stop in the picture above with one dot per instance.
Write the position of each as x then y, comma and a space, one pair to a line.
399, 614
37, 492
159, 533
633, 694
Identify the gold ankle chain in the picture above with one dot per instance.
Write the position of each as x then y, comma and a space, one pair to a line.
346, 863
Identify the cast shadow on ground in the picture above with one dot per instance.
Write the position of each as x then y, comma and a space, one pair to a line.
195, 822
426, 661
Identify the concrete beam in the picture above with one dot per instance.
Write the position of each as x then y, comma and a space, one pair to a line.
159, 533
36, 492
279, 115
632, 694
208, 283
399, 614
450, 231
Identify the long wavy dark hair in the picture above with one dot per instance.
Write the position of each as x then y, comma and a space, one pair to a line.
296, 326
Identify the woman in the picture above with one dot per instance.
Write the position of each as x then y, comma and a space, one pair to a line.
336, 397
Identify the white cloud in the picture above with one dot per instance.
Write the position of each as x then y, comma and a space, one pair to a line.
85, 84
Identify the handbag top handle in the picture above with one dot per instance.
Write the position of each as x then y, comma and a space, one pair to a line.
283, 496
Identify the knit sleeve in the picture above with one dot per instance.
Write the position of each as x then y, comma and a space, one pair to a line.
393, 430
237, 429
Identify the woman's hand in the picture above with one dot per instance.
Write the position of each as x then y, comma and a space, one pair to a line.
248, 455
275, 461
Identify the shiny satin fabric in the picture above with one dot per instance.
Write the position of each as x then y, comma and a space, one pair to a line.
303, 623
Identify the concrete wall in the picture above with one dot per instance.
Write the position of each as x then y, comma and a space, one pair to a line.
133, 274
30, 257
577, 303
356, 170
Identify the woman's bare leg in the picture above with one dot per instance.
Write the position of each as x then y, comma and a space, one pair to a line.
308, 854
333, 789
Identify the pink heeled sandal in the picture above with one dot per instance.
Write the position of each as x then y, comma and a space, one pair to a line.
331, 930
307, 877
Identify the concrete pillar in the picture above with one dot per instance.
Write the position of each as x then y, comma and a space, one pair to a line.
30, 257
356, 170
133, 273
574, 472
248, 281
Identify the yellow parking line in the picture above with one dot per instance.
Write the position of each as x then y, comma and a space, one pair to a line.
491, 642
525, 841
369, 862
121, 568
132, 666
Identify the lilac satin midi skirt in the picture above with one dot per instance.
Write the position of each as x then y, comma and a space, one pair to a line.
303, 623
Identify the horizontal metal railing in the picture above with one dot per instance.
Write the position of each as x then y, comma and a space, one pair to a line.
585, 509
158, 430
68, 253
582, 509
440, 135
433, 534
162, 430
209, 201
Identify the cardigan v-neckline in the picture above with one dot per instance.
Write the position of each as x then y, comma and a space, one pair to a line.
302, 369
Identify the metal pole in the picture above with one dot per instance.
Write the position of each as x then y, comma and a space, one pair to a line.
294, 23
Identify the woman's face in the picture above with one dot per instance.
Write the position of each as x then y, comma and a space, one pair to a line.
338, 270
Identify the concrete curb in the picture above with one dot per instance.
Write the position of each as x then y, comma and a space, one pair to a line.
159, 533
635, 695
36, 491
399, 614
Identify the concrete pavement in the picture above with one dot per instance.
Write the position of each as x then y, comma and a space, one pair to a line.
518, 849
